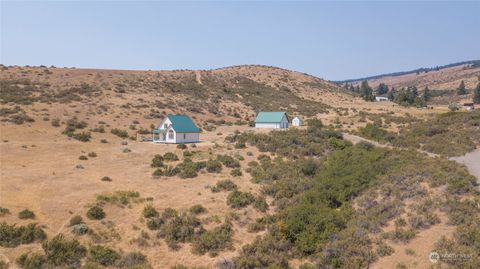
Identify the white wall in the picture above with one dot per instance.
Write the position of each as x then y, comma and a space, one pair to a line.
164, 121
283, 124
296, 122
267, 125
189, 137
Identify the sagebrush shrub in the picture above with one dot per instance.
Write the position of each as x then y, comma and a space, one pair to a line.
96, 213
238, 199
12, 236
214, 166
157, 161
197, 209
170, 157
150, 212
224, 185
103, 255
60, 251
26, 214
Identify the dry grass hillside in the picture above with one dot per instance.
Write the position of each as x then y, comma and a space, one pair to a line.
68, 148
443, 79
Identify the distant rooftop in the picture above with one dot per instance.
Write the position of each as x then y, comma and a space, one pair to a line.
269, 117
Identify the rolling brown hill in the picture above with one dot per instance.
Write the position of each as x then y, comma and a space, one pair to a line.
443, 79
60, 177
231, 94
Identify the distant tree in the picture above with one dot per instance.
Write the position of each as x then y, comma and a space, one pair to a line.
391, 95
461, 89
414, 91
366, 91
476, 94
453, 107
426, 94
382, 89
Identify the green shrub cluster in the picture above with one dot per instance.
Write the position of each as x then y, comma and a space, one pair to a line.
197, 209
170, 157
214, 166
150, 212
450, 134
224, 185
95, 213
4, 211
294, 143
238, 199
30, 260
181, 146
214, 240
157, 161
180, 229
12, 236
72, 126
189, 168
120, 197
60, 251
103, 255
228, 161
120, 133
26, 214
236, 172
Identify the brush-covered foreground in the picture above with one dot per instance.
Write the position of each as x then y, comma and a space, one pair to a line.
79, 190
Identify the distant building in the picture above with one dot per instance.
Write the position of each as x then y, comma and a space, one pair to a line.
381, 98
296, 121
176, 129
274, 120
469, 106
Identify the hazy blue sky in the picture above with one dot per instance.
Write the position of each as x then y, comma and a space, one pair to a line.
327, 39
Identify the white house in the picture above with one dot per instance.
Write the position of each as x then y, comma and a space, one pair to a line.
176, 129
469, 106
274, 120
381, 98
296, 121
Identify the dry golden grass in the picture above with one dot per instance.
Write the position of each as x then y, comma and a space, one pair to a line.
38, 163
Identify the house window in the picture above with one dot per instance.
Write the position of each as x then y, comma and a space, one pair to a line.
170, 134
184, 136
165, 126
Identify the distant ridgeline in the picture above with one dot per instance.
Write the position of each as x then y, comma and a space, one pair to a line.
473, 63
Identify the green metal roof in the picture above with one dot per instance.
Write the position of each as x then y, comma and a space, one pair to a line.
183, 124
270, 117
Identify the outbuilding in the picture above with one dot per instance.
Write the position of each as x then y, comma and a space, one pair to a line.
469, 106
381, 99
176, 129
273, 120
296, 121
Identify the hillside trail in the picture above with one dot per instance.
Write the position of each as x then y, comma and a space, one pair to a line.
198, 77
355, 139
471, 160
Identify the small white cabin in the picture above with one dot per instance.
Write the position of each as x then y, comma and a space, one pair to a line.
381, 98
273, 120
296, 121
176, 129
469, 106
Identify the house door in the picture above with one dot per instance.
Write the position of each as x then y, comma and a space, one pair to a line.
163, 136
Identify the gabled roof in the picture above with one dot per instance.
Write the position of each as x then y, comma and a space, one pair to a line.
183, 124
270, 117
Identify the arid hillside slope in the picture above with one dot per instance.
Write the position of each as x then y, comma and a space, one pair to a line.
230, 94
443, 79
